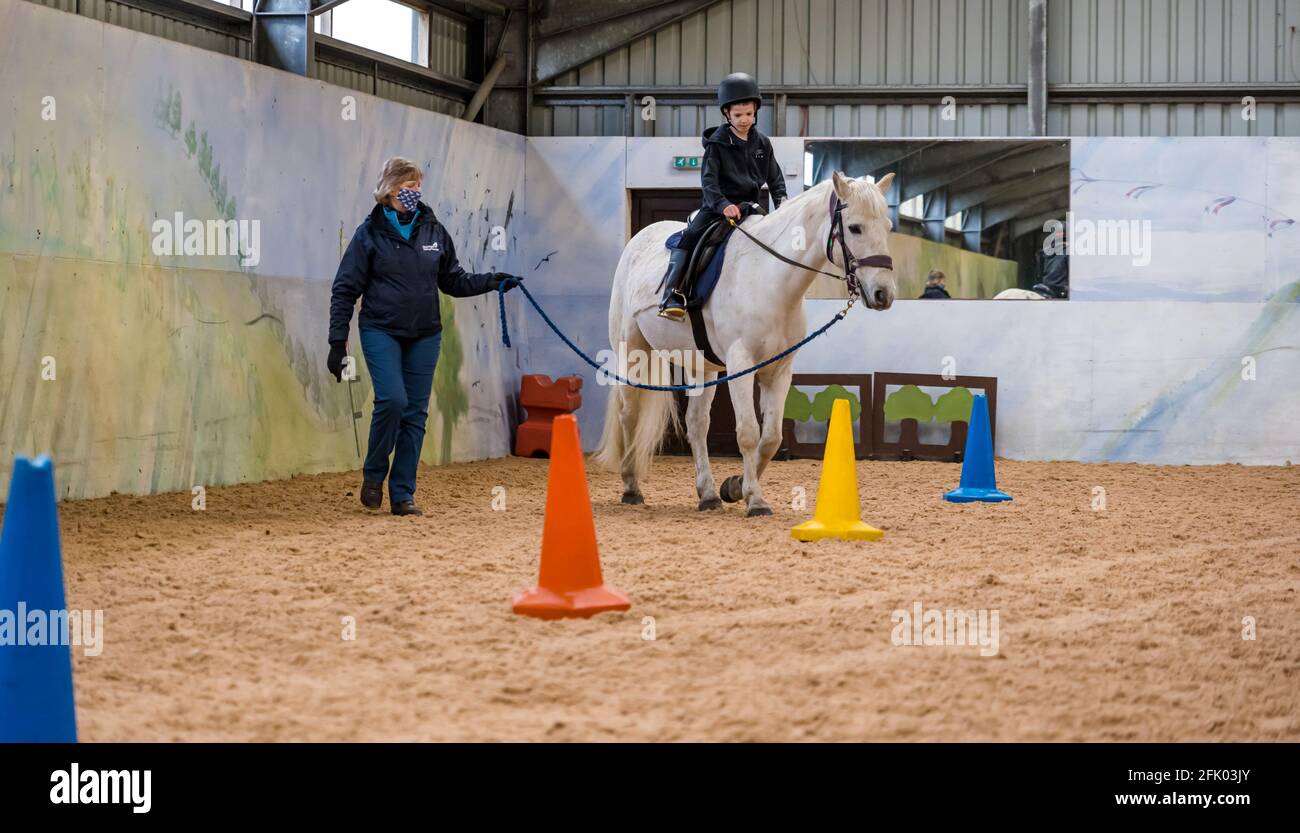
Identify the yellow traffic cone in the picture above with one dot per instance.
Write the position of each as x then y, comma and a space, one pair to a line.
837, 515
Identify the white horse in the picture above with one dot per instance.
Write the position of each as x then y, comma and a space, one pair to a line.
755, 311
1015, 294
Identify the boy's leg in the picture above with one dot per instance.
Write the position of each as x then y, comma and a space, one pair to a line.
419, 359
384, 363
673, 303
695, 229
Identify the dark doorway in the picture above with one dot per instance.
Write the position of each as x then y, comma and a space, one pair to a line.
650, 205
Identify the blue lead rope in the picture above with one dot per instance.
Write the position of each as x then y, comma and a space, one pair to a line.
505, 338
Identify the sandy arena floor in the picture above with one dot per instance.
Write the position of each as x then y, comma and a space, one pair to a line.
1123, 624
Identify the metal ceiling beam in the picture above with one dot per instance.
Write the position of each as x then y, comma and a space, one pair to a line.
998, 166
283, 35
1027, 193
972, 197
1028, 158
829, 94
913, 94
1037, 94
920, 176
558, 16
870, 158
1035, 223
468, 8
573, 47
1052, 199
481, 94
326, 6
1030, 188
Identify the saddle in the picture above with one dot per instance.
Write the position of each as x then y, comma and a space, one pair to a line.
703, 268
705, 263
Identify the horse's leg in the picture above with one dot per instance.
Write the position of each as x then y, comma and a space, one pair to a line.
697, 431
774, 385
747, 433
631, 402
629, 410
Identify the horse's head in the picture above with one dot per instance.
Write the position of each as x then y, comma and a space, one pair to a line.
866, 231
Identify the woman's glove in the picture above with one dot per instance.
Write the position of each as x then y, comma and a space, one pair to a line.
499, 279
338, 351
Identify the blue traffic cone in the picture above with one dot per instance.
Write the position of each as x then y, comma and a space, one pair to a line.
36, 702
978, 480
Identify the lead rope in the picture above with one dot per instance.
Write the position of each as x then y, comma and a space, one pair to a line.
849, 277
505, 339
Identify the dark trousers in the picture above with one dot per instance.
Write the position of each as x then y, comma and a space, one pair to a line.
695, 228
402, 372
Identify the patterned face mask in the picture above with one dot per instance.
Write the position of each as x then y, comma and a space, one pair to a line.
409, 198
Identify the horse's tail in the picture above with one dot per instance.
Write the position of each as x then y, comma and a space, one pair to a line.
650, 412
609, 454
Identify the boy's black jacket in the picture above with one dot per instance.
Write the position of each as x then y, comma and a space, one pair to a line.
735, 171
398, 280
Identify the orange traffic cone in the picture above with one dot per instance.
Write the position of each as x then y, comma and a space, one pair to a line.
570, 583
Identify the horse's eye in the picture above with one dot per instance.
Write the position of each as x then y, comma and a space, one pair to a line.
855, 229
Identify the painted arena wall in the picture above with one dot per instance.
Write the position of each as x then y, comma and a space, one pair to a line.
168, 370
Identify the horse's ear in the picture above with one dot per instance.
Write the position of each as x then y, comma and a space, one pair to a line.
884, 183
842, 189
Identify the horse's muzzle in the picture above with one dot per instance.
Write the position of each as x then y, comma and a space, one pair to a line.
879, 298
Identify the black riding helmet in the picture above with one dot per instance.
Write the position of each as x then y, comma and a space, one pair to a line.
738, 87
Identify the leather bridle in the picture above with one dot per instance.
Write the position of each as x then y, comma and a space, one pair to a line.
837, 233
851, 263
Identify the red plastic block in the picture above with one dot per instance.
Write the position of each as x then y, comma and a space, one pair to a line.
544, 400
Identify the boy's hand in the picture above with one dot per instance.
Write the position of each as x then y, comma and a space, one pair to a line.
731, 212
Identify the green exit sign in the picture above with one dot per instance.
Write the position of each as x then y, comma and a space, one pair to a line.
686, 163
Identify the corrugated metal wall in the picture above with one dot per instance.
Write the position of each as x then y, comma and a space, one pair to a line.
954, 42
817, 42
447, 49
156, 24
852, 42
1181, 119
810, 120
447, 53
1154, 41
385, 88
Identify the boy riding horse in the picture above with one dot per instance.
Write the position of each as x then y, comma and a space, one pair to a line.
738, 161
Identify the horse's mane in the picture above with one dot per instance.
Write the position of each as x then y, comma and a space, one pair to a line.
793, 210
818, 195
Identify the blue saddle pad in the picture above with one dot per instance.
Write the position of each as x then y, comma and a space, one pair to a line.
709, 277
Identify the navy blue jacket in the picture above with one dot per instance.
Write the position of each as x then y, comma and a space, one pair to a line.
398, 280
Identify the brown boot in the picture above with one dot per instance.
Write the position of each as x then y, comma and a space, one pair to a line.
406, 507
372, 494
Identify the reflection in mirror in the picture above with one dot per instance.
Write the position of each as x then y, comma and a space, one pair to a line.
972, 218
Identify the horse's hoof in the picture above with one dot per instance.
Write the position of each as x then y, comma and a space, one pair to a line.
731, 490
711, 503
758, 511
633, 498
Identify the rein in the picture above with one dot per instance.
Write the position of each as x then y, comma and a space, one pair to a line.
851, 263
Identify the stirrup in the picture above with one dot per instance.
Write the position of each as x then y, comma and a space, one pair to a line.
674, 309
